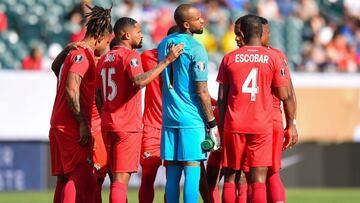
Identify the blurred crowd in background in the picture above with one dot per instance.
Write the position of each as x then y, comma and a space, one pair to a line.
316, 35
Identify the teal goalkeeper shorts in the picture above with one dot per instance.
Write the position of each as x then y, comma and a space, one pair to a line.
182, 144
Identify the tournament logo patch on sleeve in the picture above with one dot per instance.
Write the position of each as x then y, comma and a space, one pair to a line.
134, 63
78, 58
282, 72
200, 65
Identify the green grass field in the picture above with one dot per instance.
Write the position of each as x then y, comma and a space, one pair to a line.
333, 195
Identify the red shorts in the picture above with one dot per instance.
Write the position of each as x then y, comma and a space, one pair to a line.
150, 146
124, 151
233, 150
258, 151
278, 140
215, 159
99, 150
65, 151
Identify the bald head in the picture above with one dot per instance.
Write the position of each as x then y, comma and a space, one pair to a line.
188, 18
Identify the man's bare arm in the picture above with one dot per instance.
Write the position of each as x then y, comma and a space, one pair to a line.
222, 104
143, 79
73, 83
59, 60
205, 100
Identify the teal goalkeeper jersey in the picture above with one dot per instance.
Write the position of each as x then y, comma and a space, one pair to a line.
181, 106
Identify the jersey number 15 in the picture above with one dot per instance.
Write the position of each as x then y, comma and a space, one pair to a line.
108, 82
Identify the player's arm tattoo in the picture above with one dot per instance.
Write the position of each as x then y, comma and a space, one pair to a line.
205, 100
73, 83
145, 78
98, 100
222, 104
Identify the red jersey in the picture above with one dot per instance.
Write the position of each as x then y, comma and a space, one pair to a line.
250, 72
153, 102
276, 101
121, 109
81, 62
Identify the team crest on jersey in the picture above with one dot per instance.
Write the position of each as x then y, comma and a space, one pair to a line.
78, 58
134, 62
282, 72
200, 65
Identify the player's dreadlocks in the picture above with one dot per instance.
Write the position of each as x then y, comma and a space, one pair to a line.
98, 22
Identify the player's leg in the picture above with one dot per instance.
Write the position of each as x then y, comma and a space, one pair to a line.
192, 171
168, 150
56, 167
190, 152
60, 184
76, 166
213, 175
150, 162
204, 186
233, 151
274, 185
229, 188
125, 153
242, 187
259, 149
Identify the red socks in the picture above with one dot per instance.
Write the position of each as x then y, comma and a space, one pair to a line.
214, 194
275, 189
118, 192
146, 191
229, 193
242, 193
258, 193
81, 186
60, 184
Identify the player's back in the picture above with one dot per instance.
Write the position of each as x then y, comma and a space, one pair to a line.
153, 102
80, 61
121, 98
181, 106
249, 71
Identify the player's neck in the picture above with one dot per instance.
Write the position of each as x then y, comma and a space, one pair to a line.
253, 42
90, 42
125, 44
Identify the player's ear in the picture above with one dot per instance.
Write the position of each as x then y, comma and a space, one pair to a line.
186, 25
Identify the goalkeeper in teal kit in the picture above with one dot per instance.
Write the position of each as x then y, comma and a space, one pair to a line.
187, 111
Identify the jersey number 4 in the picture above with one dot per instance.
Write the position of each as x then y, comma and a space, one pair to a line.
108, 82
253, 88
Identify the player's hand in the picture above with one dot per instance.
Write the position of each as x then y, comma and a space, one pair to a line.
290, 137
76, 45
84, 134
175, 52
215, 137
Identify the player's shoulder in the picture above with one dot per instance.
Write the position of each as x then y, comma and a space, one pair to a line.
152, 53
77, 55
277, 51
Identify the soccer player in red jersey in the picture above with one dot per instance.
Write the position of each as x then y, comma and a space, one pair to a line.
152, 118
122, 77
247, 77
274, 185
70, 133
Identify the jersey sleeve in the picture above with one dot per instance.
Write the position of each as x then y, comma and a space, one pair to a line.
199, 68
133, 65
279, 79
222, 76
79, 63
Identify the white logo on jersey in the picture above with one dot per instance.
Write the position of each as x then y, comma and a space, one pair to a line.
200, 65
134, 62
282, 72
78, 58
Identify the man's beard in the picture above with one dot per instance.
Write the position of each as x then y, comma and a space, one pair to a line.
197, 31
138, 46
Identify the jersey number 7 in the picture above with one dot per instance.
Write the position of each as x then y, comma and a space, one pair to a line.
253, 89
